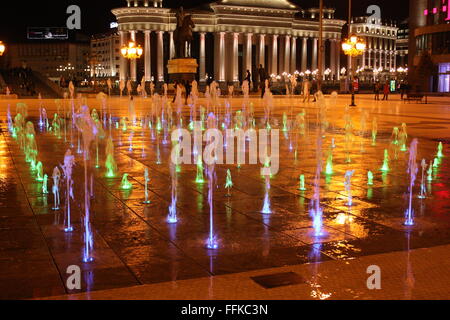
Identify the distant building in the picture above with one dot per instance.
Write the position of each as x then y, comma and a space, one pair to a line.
105, 55
402, 45
52, 58
380, 38
429, 27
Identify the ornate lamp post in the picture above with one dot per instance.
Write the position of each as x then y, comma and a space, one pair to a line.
352, 47
132, 51
2, 48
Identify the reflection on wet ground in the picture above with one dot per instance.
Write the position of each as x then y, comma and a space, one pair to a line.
134, 244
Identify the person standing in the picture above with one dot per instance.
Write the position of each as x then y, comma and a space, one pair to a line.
376, 90
386, 91
248, 77
262, 79
306, 90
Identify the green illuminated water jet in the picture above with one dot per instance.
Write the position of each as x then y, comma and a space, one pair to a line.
385, 167
229, 183
440, 153
200, 178
125, 184
370, 178
39, 172
302, 183
329, 167
110, 163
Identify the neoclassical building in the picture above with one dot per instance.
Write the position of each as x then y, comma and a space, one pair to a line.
231, 36
381, 42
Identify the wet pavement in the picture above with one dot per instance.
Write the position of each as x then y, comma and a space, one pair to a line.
134, 245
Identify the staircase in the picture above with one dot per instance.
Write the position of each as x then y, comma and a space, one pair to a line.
28, 84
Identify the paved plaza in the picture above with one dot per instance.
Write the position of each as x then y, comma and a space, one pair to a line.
138, 255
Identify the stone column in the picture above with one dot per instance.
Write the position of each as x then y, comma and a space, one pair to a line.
262, 50
160, 57
369, 62
274, 67
248, 52
172, 46
333, 57
386, 55
148, 57
304, 54
235, 55
381, 58
314, 54
202, 72
395, 60
294, 55
287, 54
123, 73
338, 59
133, 66
324, 65
221, 59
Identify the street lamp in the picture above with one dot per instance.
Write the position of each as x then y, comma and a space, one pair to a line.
352, 47
132, 51
2, 48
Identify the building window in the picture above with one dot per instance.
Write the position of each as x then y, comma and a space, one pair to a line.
444, 77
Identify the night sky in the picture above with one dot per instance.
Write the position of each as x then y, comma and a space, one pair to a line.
96, 14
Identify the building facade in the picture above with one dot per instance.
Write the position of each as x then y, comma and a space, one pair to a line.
53, 59
402, 45
381, 39
105, 55
231, 37
429, 25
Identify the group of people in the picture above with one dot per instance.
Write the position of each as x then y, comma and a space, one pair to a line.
378, 87
386, 89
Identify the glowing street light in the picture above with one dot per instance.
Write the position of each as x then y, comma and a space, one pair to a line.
352, 47
132, 51
2, 48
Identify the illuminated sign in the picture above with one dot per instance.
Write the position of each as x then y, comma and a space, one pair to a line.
113, 25
47, 33
444, 8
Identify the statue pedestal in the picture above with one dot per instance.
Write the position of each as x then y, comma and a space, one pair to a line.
182, 69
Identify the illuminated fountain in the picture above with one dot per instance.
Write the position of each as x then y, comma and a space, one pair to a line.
39, 172
412, 170
440, 153
316, 210
56, 176
403, 138
430, 172
69, 163
211, 242
374, 131
88, 130
125, 184
370, 178
110, 163
200, 178
229, 183
385, 167
266, 207
45, 184
302, 183
146, 181
423, 189
329, 167
172, 217
348, 186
